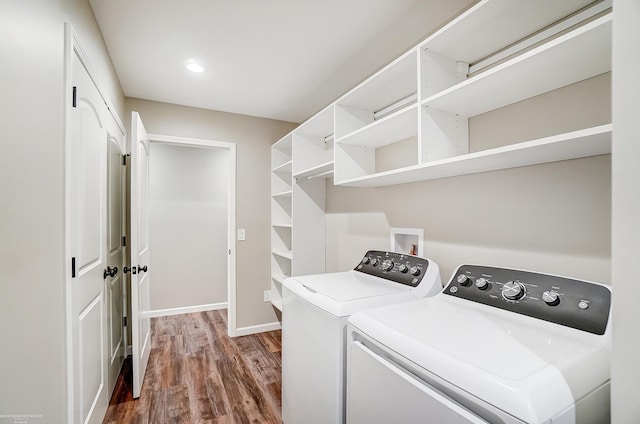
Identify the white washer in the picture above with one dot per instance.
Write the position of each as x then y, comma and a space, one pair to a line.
496, 346
315, 309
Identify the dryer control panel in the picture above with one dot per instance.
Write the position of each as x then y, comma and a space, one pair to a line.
398, 267
574, 303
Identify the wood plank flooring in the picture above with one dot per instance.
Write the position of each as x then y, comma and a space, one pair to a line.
197, 374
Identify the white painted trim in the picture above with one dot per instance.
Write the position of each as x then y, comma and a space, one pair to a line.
231, 213
184, 310
188, 141
68, 58
253, 329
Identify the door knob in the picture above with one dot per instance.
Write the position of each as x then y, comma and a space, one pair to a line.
110, 272
142, 268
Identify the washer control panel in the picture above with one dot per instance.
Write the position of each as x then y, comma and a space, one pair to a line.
574, 303
398, 267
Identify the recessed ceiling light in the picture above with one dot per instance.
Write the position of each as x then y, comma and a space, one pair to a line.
194, 67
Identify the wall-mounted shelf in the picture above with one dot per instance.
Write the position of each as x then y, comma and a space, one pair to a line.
282, 225
555, 64
283, 254
491, 25
397, 126
578, 144
324, 170
286, 193
285, 168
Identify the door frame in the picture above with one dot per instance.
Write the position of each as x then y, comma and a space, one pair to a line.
72, 46
231, 212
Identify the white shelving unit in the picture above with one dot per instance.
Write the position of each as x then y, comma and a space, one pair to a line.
589, 142
496, 53
303, 160
410, 121
281, 216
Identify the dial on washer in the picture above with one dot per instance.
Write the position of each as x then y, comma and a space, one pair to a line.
387, 265
513, 290
463, 280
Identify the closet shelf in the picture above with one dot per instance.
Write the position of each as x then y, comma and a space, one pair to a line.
577, 144
283, 194
324, 170
395, 127
282, 225
279, 278
285, 168
491, 25
558, 63
283, 254
277, 303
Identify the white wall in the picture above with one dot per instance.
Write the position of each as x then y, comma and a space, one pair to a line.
32, 314
554, 217
253, 137
626, 212
188, 199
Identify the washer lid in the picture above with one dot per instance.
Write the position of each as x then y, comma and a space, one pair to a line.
343, 293
529, 368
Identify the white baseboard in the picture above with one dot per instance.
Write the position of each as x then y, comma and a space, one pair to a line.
128, 351
184, 310
245, 331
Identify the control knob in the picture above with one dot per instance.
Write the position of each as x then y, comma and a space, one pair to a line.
415, 271
551, 298
463, 280
403, 268
387, 265
482, 283
366, 260
375, 261
513, 290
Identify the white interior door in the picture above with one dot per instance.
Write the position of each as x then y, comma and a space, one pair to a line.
139, 260
114, 281
88, 121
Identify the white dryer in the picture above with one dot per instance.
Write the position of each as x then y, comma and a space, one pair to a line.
496, 346
315, 309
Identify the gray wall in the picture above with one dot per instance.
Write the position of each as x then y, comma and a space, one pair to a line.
554, 217
188, 200
254, 137
32, 297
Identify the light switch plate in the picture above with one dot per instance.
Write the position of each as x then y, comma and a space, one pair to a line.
241, 234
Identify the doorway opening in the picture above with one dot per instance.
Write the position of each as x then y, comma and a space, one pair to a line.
192, 202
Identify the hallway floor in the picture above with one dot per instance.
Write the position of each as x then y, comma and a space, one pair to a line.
197, 374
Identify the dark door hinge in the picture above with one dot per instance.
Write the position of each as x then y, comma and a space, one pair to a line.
73, 267
124, 159
75, 93
124, 321
124, 241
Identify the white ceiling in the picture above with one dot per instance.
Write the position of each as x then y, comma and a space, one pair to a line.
279, 59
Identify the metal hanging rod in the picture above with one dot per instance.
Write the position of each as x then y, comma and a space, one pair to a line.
395, 106
552, 30
311, 177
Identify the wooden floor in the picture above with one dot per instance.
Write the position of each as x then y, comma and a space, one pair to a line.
197, 374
